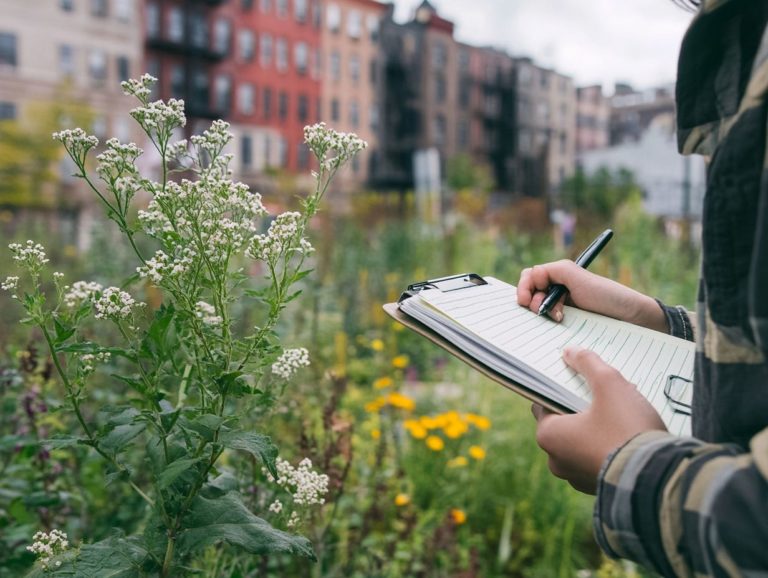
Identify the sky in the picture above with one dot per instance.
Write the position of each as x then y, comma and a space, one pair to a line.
593, 41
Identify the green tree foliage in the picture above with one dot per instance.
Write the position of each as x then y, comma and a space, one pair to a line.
601, 193
463, 172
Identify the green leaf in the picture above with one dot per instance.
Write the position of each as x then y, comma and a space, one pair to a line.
159, 342
122, 426
59, 441
227, 519
171, 472
112, 558
62, 332
93, 348
203, 425
258, 445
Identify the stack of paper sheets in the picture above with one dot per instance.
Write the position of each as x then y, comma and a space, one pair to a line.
486, 322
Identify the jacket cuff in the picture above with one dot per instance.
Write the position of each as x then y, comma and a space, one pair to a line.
629, 494
678, 321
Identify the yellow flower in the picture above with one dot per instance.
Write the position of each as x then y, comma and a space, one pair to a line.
459, 516
455, 429
383, 383
376, 434
417, 431
397, 326
377, 345
375, 405
435, 443
479, 421
400, 361
457, 462
401, 401
477, 452
428, 422
402, 500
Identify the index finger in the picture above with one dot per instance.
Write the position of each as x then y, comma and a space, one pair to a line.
525, 287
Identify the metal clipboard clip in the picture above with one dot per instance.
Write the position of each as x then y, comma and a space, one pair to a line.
444, 284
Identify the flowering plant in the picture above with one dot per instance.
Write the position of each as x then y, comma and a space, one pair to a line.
192, 370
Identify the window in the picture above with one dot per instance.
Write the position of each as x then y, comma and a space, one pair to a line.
356, 164
354, 114
282, 105
282, 150
544, 79
122, 129
246, 151
67, 5
465, 93
464, 59
177, 81
335, 66
301, 8
153, 20
245, 94
99, 8
200, 93
153, 68
124, 10
7, 111
463, 136
372, 23
335, 113
66, 60
301, 57
439, 55
317, 61
333, 17
266, 50
265, 6
246, 4
524, 75
439, 128
354, 24
316, 13
302, 156
354, 68
282, 8
221, 35
97, 65
281, 54
8, 49
440, 90
99, 126
303, 108
123, 68
266, 103
199, 30
175, 29
223, 93
247, 45
373, 117
373, 71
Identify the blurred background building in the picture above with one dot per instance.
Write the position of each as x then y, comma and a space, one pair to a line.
272, 66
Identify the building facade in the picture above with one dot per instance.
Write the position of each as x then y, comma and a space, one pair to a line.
633, 111
592, 119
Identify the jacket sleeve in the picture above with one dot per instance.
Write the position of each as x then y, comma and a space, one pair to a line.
678, 321
686, 508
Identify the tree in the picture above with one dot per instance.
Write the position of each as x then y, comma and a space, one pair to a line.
600, 193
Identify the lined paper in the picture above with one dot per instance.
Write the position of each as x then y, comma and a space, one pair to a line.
487, 322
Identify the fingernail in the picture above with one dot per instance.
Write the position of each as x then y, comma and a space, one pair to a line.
571, 350
557, 315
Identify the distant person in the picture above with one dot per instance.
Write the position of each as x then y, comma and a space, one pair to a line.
693, 507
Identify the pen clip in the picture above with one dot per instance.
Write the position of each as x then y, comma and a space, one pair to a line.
444, 284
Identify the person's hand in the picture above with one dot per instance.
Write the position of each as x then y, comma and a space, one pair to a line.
578, 444
589, 292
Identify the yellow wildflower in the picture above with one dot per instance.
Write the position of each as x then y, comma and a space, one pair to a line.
435, 443
455, 429
428, 422
375, 405
376, 434
479, 421
417, 430
383, 383
402, 500
400, 361
477, 452
458, 516
458, 462
377, 345
401, 401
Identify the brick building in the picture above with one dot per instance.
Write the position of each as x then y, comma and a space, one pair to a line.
592, 119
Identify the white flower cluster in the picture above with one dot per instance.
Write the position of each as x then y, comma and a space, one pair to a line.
215, 138
10, 284
307, 486
293, 520
162, 266
140, 88
117, 160
114, 304
276, 507
159, 117
30, 255
290, 362
207, 314
278, 239
88, 361
80, 292
76, 141
178, 150
46, 546
322, 140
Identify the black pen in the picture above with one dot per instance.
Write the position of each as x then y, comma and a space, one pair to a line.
555, 292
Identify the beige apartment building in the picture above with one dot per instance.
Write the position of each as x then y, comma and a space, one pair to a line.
592, 119
73, 51
352, 82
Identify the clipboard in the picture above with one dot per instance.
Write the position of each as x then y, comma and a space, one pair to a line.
464, 282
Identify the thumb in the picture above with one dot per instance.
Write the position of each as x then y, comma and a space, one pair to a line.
602, 378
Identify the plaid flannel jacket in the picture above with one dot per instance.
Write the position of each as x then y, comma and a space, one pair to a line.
698, 507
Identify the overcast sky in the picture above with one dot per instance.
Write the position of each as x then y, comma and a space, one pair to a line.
594, 41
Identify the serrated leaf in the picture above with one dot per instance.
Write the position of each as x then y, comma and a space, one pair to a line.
258, 445
119, 436
173, 470
203, 425
62, 332
227, 519
111, 558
